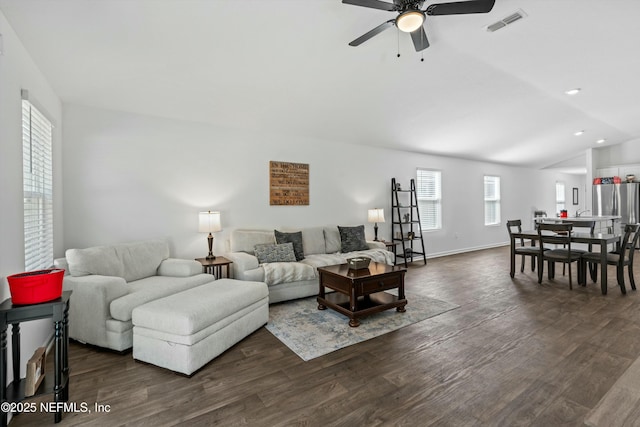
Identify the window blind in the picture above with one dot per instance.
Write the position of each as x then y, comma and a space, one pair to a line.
429, 195
37, 187
491, 200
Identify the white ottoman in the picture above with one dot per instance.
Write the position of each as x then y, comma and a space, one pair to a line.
185, 331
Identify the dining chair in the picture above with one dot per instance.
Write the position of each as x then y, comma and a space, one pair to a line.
523, 250
558, 236
621, 257
581, 227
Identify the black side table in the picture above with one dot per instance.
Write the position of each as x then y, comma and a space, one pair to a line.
58, 310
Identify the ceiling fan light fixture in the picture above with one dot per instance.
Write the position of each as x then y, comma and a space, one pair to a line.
410, 20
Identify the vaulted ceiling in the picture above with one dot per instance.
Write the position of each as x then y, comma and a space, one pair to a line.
285, 66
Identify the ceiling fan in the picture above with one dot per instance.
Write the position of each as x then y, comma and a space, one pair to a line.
410, 18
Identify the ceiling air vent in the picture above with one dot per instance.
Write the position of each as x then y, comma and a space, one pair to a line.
506, 21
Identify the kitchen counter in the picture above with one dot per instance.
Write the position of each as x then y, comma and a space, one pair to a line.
593, 218
597, 219
579, 218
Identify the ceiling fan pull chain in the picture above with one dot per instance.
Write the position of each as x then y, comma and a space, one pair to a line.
398, 38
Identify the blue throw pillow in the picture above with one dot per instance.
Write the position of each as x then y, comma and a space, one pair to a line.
295, 238
352, 239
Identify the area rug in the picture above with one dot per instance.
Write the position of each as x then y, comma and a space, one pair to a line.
311, 333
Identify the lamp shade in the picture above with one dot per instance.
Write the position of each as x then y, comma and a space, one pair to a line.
209, 222
376, 215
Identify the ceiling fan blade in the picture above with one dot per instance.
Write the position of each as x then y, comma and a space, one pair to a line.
374, 4
377, 30
460, 7
419, 38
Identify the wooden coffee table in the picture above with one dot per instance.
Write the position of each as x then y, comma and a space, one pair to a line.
361, 292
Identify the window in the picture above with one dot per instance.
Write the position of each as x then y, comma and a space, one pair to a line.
429, 194
38, 187
491, 200
559, 196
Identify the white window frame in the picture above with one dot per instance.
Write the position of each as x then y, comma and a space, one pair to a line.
429, 199
560, 196
491, 200
37, 166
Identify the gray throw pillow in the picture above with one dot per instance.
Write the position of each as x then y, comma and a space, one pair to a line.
352, 239
269, 252
295, 238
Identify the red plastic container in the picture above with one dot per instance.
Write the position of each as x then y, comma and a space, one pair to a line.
35, 287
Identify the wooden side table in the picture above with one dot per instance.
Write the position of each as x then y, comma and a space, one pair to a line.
58, 310
214, 266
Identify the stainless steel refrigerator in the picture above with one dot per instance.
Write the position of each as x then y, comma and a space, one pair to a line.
617, 199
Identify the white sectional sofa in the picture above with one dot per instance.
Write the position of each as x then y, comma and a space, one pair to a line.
184, 331
322, 246
108, 282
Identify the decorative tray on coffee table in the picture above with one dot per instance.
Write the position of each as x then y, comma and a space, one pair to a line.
358, 263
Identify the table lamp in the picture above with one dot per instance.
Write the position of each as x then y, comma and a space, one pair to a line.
376, 215
209, 223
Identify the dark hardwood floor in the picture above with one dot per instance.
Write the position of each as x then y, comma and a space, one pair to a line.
514, 353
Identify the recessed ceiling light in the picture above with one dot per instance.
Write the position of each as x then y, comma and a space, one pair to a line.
573, 91
578, 133
601, 141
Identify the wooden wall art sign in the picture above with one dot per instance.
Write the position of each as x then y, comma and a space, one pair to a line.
288, 184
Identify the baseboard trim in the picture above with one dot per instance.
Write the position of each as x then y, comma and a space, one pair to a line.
465, 250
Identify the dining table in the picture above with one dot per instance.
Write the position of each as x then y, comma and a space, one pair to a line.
601, 239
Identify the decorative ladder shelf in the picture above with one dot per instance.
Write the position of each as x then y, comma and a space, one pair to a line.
405, 223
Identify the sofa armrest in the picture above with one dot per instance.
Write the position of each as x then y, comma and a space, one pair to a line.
174, 267
376, 245
61, 263
89, 305
242, 262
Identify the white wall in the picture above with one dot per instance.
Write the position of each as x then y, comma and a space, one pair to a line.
17, 71
620, 154
619, 159
130, 177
